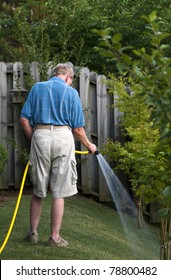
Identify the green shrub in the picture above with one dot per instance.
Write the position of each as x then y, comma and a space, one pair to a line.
3, 157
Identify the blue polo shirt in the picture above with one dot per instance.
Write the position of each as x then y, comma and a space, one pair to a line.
53, 102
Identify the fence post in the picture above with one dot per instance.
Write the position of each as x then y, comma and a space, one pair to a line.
84, 83
3, 118
17, 93
34, 71
103, 129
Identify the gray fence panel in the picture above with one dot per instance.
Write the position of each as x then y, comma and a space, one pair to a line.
103, 129
3, 116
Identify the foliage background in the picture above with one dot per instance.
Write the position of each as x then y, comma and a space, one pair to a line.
49, 30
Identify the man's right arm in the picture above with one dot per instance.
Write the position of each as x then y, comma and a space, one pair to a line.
80, 134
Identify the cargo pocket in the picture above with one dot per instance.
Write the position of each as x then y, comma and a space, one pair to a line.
33, 173
74, 176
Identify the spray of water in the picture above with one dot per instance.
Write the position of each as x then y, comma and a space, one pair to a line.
121, 198
126, 209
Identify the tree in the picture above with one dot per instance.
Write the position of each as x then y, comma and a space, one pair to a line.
63, 32
49, 29
146, 156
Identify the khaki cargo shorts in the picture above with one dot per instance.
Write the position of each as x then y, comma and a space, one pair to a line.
53, 163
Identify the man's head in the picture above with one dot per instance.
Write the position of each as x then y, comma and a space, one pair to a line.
65, 72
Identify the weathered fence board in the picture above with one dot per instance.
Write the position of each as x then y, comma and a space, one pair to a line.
103, 129
3, 116
84, 85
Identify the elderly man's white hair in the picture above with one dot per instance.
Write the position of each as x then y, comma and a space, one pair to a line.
63, 69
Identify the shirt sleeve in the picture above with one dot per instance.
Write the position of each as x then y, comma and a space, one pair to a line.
26, 111
77, 117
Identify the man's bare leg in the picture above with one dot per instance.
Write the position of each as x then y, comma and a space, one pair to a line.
57, 212
35, 212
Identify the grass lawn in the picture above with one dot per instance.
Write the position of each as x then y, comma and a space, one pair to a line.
93, 230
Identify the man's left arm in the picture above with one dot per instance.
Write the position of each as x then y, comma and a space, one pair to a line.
27, 128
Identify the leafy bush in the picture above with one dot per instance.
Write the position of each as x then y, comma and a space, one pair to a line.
146, 118
3, 157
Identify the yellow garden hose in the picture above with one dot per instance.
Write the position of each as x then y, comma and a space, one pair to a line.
18, 202
82, 152
16, 209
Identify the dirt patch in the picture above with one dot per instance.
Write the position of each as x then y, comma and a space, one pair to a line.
3, 198
6, 194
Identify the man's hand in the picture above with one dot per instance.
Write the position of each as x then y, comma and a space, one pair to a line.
80, 135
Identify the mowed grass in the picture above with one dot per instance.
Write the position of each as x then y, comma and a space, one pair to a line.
94, 232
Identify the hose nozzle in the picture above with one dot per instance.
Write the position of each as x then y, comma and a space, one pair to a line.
97, 152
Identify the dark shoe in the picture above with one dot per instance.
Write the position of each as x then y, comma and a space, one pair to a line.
32, 237
59, 243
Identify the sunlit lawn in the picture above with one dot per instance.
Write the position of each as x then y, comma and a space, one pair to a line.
93, 230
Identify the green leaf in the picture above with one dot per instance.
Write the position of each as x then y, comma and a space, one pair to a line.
164, 213
167, 191
103, 43
169, 116
138, 53
163, 36
102, 32
126, 59
116, 38
138, 72
164, 46
153, 16
165, 131
107, 53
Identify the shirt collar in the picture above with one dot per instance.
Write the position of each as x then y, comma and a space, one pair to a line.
58, 79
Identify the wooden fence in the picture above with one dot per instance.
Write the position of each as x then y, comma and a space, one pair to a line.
101, 124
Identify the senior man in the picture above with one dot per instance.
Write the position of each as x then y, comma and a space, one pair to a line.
51, 118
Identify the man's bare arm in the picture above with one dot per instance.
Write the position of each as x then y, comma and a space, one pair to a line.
27, 128
80, 135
